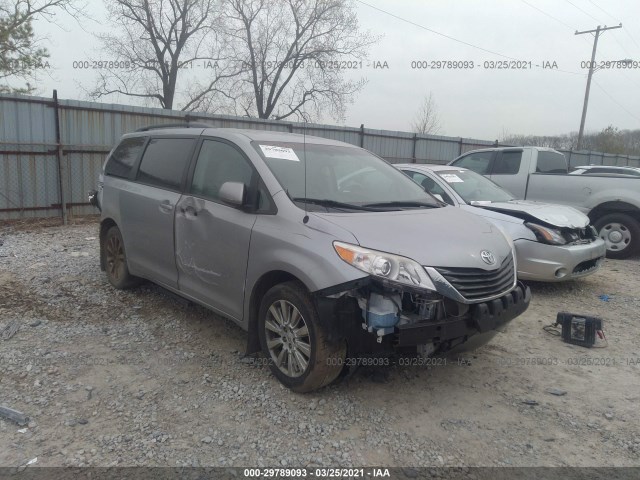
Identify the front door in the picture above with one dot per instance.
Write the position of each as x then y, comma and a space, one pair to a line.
212, 238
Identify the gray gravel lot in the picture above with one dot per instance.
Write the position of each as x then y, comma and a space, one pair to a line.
141, 378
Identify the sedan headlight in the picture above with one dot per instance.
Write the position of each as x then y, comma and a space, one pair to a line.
547, 235
391, 267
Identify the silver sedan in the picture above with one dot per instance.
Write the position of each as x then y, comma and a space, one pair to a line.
553, 242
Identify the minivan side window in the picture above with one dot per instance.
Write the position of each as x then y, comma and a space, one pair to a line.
218, 163
551, 162
478, 162
124, 157
507, 163
164, 161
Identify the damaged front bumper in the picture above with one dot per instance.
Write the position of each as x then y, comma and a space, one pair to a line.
450, 324
553, 263
481, 318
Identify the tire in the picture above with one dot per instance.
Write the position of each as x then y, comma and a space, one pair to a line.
305, 361
116, 261
621, 233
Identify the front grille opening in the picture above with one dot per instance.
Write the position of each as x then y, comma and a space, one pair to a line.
476, 283
586, 266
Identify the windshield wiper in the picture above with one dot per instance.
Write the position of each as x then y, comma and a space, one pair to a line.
323, 202
400, 204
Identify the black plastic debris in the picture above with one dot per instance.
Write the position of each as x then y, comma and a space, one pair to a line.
14, 415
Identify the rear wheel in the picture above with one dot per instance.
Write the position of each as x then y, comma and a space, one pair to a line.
295, 341
116, 260
621, 234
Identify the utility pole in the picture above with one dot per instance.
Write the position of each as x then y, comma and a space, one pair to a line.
597, 33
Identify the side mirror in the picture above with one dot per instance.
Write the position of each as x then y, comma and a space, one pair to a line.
233, 193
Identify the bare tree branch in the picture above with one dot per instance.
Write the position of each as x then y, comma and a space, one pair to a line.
427, 119
295, 54
159, 41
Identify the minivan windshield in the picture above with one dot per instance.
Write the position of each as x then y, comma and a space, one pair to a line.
341, 178
473, 187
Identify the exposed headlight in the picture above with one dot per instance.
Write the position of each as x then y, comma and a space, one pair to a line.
385, 265
546, 234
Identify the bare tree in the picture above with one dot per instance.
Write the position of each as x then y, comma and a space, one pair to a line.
159, 41
295, 54
427, 119
21, 53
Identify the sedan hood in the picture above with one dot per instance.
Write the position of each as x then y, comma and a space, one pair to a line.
555, 215
437, 237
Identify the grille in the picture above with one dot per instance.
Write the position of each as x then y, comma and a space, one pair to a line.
475, 283
586, 266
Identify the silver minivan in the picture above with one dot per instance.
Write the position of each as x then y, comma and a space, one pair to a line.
327, 255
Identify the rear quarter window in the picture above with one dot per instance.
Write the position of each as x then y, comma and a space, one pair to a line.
124, 157
507, 163
164, 162
551, 162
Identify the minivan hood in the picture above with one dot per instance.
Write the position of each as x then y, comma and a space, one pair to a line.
555, 215
437, 237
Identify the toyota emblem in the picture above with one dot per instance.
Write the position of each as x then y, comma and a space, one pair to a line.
487, 257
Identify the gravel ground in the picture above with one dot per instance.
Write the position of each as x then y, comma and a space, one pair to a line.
142, 378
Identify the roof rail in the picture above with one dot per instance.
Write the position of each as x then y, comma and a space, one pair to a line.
175, 125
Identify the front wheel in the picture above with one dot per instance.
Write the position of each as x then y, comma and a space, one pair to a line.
621, 234
295, 341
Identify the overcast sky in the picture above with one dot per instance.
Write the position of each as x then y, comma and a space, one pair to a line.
473, 103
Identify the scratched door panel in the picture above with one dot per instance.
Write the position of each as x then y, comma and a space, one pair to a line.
212, 248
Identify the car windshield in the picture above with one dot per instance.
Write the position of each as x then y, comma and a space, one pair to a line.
341, 178
473, 187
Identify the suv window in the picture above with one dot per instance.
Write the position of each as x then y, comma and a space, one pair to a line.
478, 162
218, 163
124, 157
551, 162
164, 162
507, 163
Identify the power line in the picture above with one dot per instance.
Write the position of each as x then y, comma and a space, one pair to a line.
456, 39
434, 31
617, 20
582, 10
547, 14
603, 10
569, 26
632, 38
615, 101
622, 46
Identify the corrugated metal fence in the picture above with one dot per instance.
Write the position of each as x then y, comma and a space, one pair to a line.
52, 150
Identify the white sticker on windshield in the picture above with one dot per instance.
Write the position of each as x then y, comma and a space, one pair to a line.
283, 153
451, 178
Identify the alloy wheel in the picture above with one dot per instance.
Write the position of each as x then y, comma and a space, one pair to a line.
288, 339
